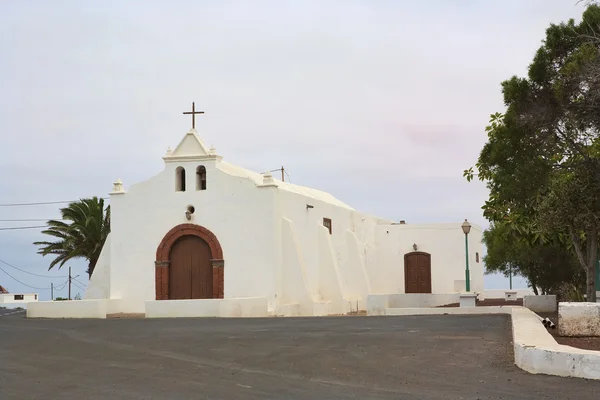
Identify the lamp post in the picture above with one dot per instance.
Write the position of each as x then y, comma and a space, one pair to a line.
466, 227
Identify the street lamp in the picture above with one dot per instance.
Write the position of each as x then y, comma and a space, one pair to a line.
466, 227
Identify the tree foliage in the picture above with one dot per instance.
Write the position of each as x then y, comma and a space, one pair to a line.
82, 236
547, 267
542, 158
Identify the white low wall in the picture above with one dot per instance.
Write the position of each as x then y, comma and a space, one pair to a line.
546, 303
67, 309
578, 319
125, 306
378, 303
234, 307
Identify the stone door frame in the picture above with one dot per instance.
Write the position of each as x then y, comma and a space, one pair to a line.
162, 262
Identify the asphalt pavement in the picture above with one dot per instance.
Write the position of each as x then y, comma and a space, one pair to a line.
408, 357
10, 311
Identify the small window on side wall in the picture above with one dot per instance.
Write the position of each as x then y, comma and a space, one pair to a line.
327, 224
476, 257
18, 297
180, 179
201, 178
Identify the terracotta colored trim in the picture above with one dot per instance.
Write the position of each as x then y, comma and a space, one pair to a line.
162, 259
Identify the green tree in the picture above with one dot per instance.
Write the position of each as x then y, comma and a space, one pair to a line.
542, 159
546, 266
82, 236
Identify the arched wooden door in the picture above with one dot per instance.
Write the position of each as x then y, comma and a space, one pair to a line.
190, 270
417, 272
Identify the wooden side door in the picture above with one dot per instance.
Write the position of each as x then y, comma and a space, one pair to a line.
424, 268
417, 273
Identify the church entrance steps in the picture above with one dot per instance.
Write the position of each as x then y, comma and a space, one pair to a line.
290, 310
378, 303
121, 308
322, 308
232, 308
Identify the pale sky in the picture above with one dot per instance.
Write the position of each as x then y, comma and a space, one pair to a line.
381, 103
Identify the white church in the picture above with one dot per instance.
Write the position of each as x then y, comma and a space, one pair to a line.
208, 238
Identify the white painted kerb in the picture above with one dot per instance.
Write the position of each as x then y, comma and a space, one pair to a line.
537, 352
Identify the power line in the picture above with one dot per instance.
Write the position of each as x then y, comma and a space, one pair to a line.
75, 283
31, 219
61, 286
43, 203
83, 284
23, 227
24, 284
31, 273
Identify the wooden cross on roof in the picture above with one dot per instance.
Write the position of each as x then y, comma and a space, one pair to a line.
193, 112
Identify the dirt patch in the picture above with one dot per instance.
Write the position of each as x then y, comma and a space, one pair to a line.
499, 302
587, 343
489, 303
126, 315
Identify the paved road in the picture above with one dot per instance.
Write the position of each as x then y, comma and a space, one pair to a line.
425, 357
10, 311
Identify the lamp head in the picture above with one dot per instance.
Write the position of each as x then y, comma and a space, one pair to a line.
466, 227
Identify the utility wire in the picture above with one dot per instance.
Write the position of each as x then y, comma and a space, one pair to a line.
23, 227
76, 285
75, 279
42, 203
31, 273
31, 219
61, 286
24, 284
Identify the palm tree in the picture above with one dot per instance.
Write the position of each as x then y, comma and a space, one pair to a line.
82, 237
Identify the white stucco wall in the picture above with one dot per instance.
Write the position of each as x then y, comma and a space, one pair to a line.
350, 240
99, 284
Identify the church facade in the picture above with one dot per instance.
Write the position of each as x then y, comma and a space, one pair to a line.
205, 237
